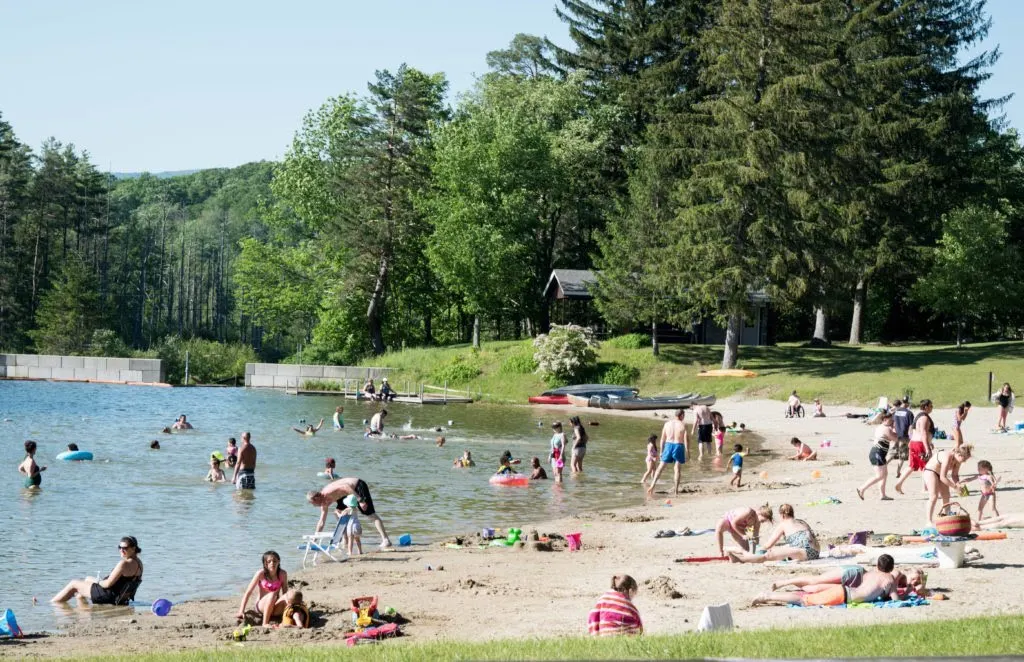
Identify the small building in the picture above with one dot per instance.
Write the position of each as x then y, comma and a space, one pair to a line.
571, 301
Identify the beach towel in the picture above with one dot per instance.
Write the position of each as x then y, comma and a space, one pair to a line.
912, 601
9, 626
614, 614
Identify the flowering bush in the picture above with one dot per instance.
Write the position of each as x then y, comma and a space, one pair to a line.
566, 353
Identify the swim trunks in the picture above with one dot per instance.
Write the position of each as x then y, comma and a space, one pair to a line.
704, 433
917, 455
672, 453
877, 456
833, 596
246, 480
852, 576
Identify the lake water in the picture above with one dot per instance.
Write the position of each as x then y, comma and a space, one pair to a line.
70, 528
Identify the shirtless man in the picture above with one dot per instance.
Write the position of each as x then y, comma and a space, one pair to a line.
873, 585
181, 424
377, 422
337, 491
245, 470
673, 449
702, 428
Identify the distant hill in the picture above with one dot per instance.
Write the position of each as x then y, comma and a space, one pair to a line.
159, 175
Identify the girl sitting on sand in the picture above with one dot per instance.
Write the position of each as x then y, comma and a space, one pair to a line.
614, 613
804, 452
271, 583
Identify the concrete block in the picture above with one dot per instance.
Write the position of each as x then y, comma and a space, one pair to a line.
94, 363
334, 372
6, 360
19, 371
313, 371
35, 372
27, 360
72, 362
85, 374
288, 370
62, 373
118, 364
250, 368
285, 381
130, 375
261, 381
151, 376
108, 375
3, 371
49, 361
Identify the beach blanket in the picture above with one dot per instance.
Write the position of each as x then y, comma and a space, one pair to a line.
912, 601
827, 501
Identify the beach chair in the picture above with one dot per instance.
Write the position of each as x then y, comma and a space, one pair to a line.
325, 543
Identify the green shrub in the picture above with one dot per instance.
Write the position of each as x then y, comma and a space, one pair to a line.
209, 361
518, 364
617, 373
459, 370
321, 385
629, 341
566, 353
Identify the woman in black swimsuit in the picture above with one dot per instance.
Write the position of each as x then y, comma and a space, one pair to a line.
1005, 400
942, 473
117, 588
878, 456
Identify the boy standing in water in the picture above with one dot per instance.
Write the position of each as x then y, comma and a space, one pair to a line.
32, 471
339, 418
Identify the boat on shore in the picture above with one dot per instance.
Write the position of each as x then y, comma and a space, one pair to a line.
662, 402
587, 390
548, 400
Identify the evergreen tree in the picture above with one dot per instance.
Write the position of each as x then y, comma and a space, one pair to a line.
68, 312
15, 176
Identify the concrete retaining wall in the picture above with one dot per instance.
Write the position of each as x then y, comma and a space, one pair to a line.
81, 368
288, 375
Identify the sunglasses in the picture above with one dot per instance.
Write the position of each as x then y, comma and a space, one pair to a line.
123, 547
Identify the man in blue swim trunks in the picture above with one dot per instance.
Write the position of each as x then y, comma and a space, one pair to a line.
674, 440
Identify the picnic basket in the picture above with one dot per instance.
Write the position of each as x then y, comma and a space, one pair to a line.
953, 523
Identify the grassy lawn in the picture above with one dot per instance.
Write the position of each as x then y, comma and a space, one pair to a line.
977, 636
841, 374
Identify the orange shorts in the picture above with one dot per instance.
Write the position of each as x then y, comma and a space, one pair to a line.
830, 597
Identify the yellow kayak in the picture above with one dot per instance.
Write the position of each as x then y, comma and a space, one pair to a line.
727, 373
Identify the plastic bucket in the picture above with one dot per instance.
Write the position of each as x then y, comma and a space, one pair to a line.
162, 607
404, 540
950, 554
574, 541
487, 534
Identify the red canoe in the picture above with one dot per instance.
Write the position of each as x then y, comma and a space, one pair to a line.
549, 400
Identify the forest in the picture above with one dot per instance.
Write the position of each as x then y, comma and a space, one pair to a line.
836, 155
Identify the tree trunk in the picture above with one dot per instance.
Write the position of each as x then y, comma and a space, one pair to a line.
820, 326
374, 312
959, 334
655, 346
476, 331
858, 311
428, 328
732, 341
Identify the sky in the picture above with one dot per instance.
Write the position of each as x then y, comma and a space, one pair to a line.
183, 85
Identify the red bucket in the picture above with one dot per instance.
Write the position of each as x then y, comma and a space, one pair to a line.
574, 541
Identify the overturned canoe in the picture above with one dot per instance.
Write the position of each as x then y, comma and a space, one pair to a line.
667, 402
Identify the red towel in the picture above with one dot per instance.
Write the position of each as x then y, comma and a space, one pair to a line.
614, 614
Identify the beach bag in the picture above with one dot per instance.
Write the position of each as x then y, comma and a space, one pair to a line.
953, 523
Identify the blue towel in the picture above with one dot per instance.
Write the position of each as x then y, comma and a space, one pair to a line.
912, 601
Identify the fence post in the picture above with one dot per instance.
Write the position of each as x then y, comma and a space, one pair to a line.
186, 370
446, 391
988, 394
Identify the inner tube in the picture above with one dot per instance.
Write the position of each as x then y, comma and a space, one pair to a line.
75, 456
513, 480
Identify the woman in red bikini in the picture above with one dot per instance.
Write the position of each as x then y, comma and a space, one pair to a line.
272, 583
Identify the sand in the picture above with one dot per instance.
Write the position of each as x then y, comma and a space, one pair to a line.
496, 593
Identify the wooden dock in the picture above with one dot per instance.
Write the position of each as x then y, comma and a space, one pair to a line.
424, 397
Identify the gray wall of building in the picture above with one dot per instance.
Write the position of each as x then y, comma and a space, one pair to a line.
81, 368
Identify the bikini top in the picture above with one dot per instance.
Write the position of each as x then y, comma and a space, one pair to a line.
270, 586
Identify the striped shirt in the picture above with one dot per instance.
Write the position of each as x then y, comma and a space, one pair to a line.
614, 614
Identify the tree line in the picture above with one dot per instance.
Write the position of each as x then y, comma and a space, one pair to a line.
836, 155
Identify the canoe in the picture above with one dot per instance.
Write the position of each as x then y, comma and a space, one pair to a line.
587, 390
727, 373
666, 402
549, 400
579, 400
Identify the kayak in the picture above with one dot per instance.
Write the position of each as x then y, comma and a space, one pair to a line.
727, 373
549, 400
587, 390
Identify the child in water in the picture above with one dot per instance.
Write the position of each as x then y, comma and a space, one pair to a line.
329, 466
505, 469
232, 449
736, 461
215, 475
465, 461
440, 441
296, 614
652, 457
339, 418
352, 536
32, 471
538, 471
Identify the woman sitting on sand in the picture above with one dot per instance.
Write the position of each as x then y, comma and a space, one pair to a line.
799, 542
117, 588
737, 521
272, 583
804, 452
943, 473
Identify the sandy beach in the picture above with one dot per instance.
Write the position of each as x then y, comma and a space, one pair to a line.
500, 593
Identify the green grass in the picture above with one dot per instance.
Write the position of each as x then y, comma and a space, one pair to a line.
998, 635
840, 374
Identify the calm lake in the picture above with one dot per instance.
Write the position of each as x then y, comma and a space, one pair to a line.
70, 528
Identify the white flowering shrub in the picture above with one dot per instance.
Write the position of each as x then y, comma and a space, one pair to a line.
565, 354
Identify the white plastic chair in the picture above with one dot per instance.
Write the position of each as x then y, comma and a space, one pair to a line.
325, 543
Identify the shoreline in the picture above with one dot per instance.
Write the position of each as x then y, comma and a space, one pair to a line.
501, 593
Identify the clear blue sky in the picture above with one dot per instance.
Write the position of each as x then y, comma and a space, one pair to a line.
178, 85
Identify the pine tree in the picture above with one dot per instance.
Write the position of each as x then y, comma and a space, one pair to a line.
68, 313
